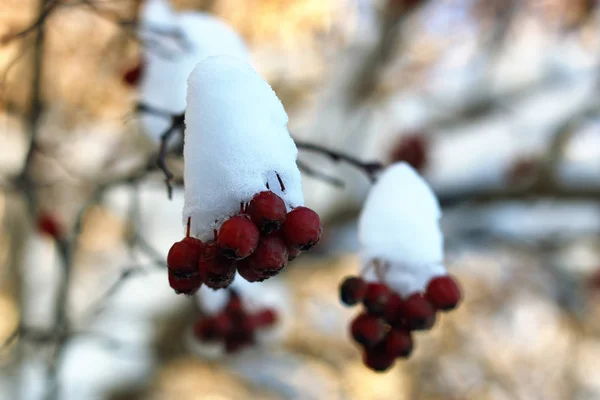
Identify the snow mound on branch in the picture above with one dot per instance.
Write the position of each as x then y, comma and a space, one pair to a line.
399, 234
236, 143
174, 43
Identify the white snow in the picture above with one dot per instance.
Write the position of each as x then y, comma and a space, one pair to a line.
174, 43
236, 141
399, 226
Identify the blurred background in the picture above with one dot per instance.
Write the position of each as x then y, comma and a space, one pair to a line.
495, 101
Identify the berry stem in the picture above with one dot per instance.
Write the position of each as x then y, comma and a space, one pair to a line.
189, 224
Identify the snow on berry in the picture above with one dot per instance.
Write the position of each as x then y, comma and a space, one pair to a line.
399, 232
236, 144
174, 42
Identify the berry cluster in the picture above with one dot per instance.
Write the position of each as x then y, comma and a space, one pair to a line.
384, 328
234, 326
258, 243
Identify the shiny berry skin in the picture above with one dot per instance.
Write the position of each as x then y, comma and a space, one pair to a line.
189, 285
266, 317
394, 310
302, 228
48, 225
182, 259
398, 343
353, 290
238, 237
216, 271
367, 330
376, 298
133, 76
267, 211
419, 312
246, 271
444, 293
270, 257
378, 360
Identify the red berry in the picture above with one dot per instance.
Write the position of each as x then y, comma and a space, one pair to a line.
443, 292
213, 328
235, 343
132, 76
398, 343
353, 290
182, 259
48, 225
267, 211
394, 311
189, 285
367, 330
293, 253
238, 237
419, 312
246, 271
412, 150
302, 228
378, 360
270, 257
216, 271
376, 298
264, 318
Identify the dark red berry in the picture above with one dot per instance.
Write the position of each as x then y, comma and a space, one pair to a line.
270, 256
216, 271
213, 328
367, 330
444, 293
353, 290
182, 259
48, 225
419, 312
376, 298
412, 150
234, 343
246, 271
267, 211
132, 76
302, 228
394, 312
265, 318
189, 285
238, 237
378, 360
293, 253
398, 343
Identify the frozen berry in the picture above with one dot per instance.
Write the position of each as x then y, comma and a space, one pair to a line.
267, 211
238, 237
394, 312
48, 225
270, 257
367, 330
302, 228
443, 292
132, 76
398, 343
378, 360
419, 312
264, 318
353, 290
246, 271
376, 298
216, 271
189, 285
293, 253
182, 259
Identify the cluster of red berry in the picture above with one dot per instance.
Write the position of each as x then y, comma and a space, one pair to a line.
384, 328
258, 243
234, 326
